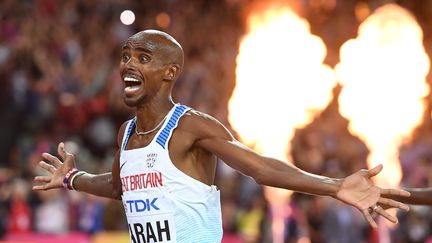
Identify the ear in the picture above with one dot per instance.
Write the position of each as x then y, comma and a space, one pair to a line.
172, 72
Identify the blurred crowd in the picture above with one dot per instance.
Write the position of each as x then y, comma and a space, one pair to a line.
59, 81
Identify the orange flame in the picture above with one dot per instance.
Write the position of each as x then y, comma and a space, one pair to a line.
281, 85
383, 75
281, 81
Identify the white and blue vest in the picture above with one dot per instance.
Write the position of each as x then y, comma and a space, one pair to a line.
162, 203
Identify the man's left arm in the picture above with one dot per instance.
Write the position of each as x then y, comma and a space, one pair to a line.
356, 190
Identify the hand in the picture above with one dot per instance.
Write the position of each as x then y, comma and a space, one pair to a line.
359, 191
56, 168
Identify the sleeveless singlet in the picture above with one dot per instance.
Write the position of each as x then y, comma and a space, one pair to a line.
162, 203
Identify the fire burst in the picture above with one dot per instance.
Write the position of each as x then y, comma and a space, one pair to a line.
281, 81
281, 85
383, 75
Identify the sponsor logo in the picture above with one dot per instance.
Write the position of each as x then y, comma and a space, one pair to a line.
121, 166
141, 205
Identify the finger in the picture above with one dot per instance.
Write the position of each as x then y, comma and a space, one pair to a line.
392, 203
54, 160
374, 171
397, 192
37, 188
61, 151
51, 169
40, 187
379, 210
369, 218
45, 179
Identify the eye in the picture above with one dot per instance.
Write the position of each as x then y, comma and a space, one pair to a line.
125, 57
144, 58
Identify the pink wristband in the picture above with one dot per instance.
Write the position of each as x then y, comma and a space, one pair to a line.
66, 180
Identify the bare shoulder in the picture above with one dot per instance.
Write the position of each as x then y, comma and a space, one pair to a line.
203, 126
121, 132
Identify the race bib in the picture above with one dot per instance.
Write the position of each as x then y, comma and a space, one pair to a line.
150, 219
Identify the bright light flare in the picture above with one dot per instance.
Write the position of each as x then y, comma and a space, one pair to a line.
127, 17
383, 74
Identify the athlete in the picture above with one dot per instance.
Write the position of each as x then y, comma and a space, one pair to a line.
165, 166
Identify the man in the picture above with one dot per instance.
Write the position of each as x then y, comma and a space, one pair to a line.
165, 166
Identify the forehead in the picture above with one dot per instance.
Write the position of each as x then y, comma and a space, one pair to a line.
142, 42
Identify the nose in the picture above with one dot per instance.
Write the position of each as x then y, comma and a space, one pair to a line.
129, 66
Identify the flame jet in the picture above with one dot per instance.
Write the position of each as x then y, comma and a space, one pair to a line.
383, 73
281, 85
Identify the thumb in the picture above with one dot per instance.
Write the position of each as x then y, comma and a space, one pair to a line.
374, 171
61, 151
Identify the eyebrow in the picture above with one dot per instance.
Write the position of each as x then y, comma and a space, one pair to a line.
142, 49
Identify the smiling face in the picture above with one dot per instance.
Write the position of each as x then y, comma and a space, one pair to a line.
150, 63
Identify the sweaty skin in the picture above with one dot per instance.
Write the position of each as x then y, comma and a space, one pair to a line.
151, 61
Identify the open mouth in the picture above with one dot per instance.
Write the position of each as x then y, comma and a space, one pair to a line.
131, 81
131, 84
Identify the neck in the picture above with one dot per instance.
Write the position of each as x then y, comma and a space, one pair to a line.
151, 113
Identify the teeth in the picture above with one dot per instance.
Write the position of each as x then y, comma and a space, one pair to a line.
131, 89
130, 79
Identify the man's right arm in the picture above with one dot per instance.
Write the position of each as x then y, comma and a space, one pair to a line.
104, 185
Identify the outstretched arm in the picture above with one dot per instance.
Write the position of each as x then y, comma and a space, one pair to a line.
104, 185
419, 196
356, 190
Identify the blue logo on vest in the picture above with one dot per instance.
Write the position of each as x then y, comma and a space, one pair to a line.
142, 205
